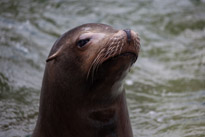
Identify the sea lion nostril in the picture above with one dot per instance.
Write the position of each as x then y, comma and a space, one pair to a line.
129, 37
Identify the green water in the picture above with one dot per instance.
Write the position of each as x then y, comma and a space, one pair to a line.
165, 88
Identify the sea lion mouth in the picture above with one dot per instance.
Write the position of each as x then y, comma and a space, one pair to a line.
131, 55
125, 58
113, 67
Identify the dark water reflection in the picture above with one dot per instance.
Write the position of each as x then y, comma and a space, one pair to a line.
166, 87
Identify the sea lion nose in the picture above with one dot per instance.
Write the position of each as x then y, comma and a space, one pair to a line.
129, 37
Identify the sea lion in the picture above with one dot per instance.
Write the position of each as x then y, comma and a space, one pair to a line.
82, 92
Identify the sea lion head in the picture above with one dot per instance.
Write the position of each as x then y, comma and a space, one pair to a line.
95, 54
82, 93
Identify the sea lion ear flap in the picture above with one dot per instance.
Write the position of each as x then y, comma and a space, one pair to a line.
56, 54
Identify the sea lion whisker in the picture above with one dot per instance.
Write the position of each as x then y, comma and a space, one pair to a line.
117, 48
95, 66
93, 72
106, 54
94, 62
108, 47
118, 44
121, 47
91, 66
111, 48
135, 43
109, 54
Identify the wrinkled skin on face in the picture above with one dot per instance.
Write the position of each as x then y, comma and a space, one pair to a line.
82, 92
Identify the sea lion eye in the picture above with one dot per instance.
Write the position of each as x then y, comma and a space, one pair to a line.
81, 43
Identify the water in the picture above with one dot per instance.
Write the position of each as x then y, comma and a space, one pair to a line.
165, 88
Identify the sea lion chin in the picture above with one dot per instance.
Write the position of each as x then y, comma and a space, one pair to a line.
82, 92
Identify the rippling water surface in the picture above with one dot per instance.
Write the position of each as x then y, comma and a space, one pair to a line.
165, 88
